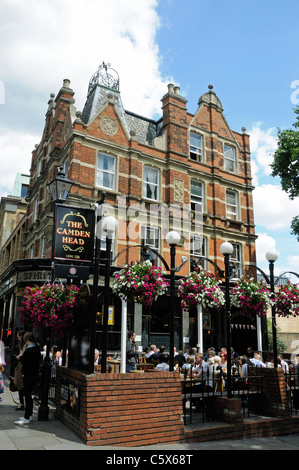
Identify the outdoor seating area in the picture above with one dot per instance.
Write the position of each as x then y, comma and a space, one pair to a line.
199, 402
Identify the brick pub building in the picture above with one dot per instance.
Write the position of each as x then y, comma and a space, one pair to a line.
185, 172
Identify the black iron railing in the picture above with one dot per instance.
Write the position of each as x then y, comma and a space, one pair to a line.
199, 394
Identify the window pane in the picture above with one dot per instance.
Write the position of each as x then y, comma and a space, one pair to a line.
236, 259
106, 171
229, 158
231, 205
195, 146
151, 183
196, 195
198, 250
151, 237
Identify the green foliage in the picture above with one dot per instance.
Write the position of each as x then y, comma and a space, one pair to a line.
295, 227
281, 346
286, 164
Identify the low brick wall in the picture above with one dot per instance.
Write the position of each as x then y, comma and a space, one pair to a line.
144, 409
276, 395
123, 409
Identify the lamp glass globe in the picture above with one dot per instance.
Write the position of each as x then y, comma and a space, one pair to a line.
173, 238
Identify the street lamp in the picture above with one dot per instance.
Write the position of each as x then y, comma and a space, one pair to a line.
173, 239
109, 227
98, 217
60, 188
272, 256
227, 249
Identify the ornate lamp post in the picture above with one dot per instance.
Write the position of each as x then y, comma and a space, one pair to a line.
226, 249
60, 188
109, 226
272, 256
173, 239
98, 217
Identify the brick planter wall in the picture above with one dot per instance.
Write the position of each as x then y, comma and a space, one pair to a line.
275, 389
124, 409
229, 410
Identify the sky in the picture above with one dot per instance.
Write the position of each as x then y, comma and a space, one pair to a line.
248, 51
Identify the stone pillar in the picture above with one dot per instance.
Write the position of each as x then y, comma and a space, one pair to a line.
138, 322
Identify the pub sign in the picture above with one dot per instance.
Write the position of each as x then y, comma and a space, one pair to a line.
73, 238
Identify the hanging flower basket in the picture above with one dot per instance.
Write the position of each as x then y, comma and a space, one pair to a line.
287, 300
251, 297
50, 305
200, 287
139, 282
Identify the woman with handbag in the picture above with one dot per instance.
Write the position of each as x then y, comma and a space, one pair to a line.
1, 380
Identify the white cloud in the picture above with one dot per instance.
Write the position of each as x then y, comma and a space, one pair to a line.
44, 42
272, 207
264, 243
16, 148
263, 144
293, 260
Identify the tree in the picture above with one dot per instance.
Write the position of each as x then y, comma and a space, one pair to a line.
281, 345
286, 164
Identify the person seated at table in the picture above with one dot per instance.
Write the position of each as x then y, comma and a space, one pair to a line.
244, 365
256, 360
187, 352
223, 361
163, 363
98, 359
217, 362
201, 372
210, 353
179, 359
187, 365
234, 355
153, 350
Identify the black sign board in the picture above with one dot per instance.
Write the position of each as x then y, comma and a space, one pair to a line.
73, 234
70, 396
70, 271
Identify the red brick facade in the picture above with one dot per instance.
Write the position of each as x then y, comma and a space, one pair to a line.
152, 175
76, 144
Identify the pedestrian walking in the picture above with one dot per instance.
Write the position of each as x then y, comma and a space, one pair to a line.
30, 361
1, 381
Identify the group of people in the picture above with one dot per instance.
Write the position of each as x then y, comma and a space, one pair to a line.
28, 362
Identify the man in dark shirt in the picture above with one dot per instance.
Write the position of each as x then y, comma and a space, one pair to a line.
30, 361
131, 352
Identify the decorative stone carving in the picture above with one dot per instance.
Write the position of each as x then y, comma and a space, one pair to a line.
178, 190
108, 125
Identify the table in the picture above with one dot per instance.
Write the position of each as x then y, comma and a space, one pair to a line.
115, 363
145, 366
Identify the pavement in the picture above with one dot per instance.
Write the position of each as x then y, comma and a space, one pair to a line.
54, 435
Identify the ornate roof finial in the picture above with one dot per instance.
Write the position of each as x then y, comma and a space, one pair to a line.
105, 76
